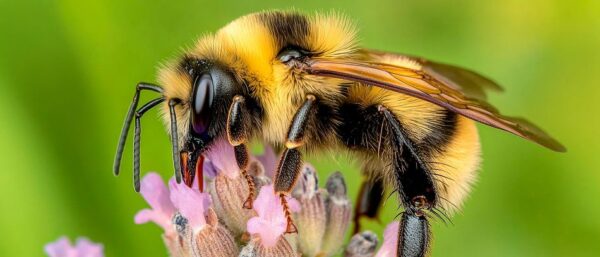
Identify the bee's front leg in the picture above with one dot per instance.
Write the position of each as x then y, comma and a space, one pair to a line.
238, 120
291, 160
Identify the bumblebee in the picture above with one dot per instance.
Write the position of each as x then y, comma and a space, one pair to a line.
302, 84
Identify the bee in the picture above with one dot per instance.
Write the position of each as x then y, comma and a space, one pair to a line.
303, 85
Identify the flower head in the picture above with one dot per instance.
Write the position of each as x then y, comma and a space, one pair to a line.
155, 192
83, 248
271, 222
215, 223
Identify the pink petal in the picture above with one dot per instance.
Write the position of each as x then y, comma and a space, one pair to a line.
268, 232
191, 203
154, 190
147, 215
269, 161
60, 248
390, 241
270, 223
221, 155
209, 169
85, 248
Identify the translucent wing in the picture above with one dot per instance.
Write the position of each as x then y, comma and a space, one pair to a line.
468, 82
453, 88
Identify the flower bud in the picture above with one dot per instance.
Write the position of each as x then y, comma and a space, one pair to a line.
228, 197
312, 219
362, 245
257, 171
256, 249
339, 212
213, 240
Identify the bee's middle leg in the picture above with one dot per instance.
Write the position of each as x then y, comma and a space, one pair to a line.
291, 159
238, 121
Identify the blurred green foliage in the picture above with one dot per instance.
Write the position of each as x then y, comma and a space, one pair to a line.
68, 70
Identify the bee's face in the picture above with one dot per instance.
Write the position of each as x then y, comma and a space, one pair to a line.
255, 55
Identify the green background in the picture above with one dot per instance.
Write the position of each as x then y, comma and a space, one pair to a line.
68, 70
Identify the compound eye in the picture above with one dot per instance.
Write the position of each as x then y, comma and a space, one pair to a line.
289, 54
202, 99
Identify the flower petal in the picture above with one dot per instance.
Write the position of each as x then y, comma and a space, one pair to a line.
191, 203
268, 232
59, 248
155, 192
86, 248
271, 222
222, 156
390, 241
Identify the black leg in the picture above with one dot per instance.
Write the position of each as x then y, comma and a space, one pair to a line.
175, 139
128, 118
136, 140
376, 130
237, 135
369, 201
291, 160
416, 187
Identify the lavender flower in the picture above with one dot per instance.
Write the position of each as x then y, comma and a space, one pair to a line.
83, 248
214, 223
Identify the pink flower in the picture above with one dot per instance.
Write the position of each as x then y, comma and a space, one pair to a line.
191, 203
156, 194
271, 222
222, 157
390, 241
83, 248
209, 169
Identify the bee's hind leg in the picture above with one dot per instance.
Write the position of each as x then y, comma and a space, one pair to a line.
238, 121
291, 159
369, 201
415, 186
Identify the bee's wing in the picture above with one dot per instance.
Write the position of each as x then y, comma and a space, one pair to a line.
468, 82
428, 83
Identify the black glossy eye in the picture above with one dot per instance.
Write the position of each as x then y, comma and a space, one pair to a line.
288, 54
202, 99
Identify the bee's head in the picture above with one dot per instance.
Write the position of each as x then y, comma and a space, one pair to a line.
200, 92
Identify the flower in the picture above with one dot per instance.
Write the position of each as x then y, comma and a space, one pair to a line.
215, 223
271, 222
312, 218
83, 248
362, 245
156, 194
390, 241
222, 157
191, 203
